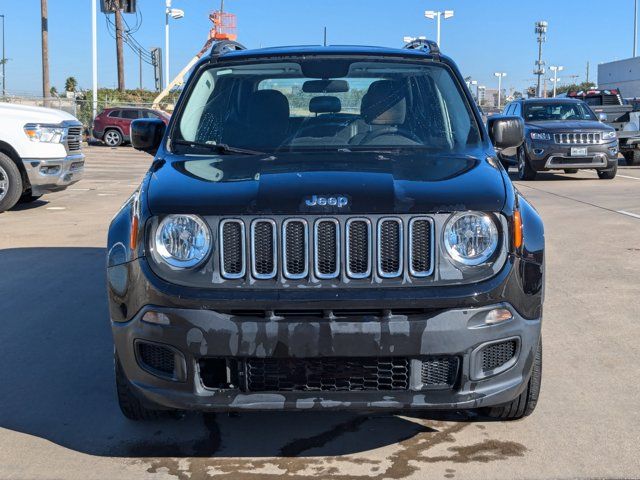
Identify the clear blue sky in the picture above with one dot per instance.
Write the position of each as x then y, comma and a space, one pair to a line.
483, 37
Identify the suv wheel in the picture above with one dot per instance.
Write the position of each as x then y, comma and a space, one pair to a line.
525, 171
632, 157
609, 173
129, 403
526, 402
113, 138
10, 183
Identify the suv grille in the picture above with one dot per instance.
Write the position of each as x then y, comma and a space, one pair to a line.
74, 139
327, 247
327, 374
577, 138
497, 354
440, 372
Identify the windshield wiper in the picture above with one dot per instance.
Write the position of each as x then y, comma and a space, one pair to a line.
220, 148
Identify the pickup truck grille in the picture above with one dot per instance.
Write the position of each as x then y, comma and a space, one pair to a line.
592, 138
326, 248
74, 139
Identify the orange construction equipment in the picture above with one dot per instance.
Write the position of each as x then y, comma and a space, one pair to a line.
224, 25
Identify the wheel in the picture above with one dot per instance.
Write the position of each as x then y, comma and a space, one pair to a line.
525, 172
570, 170
113, 138
28, 197
10, 183
609, 173
129, 403
632, 157
526, 402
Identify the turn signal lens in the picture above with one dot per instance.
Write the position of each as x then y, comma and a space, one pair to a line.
517, 229
158, 318
497, 315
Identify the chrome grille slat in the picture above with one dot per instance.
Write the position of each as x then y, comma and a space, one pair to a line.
264, 254
233, 249
390, 247
73, 139
326, 248
295, 248
574, 138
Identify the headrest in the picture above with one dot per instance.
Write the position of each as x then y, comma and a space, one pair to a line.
384, 103
325, 104
267, 107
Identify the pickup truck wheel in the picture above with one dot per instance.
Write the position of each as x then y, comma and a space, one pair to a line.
129, 403
113, 138
10, 183
526, 402
525, 171
609, 173
632, 157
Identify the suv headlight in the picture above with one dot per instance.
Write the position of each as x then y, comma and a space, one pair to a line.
540, 136
182, 241
470, 238
608, 135
45, 133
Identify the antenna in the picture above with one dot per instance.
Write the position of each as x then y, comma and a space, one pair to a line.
325, 36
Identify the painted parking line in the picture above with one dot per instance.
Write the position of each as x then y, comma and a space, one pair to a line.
634, 215
56, 208
627, 176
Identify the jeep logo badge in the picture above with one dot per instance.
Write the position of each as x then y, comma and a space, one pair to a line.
334, 201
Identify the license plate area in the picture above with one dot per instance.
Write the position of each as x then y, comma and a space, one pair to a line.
578, 151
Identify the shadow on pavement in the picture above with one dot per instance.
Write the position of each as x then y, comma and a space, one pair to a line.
57, 378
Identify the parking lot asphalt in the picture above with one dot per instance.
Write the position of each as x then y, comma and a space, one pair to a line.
59, 416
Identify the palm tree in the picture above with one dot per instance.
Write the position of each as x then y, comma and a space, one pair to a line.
70, 84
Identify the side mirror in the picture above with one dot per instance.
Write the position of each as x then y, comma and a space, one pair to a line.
146, 134
505, 132
602, 117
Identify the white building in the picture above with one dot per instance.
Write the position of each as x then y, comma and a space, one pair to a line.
622, 74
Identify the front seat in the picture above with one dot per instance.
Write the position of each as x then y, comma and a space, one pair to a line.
267, 121
384, 110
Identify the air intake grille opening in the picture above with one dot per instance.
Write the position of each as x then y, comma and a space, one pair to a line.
390, 248
295, 249
232, 252
440, 372
263, 240
358, 248
157, 357
327, 253
497, 354
327, 374
420, 254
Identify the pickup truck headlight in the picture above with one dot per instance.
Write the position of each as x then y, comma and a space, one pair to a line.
45, 133
182, 241
540, 136
609, 135
470, 238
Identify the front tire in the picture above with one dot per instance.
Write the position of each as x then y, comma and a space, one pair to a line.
10, 183
526, 402
129, 403
525, 171
112, 138
609, 173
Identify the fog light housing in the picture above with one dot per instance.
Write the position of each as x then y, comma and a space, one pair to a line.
497, 315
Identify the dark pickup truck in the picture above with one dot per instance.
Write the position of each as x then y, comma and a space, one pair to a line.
621, 115
326, 228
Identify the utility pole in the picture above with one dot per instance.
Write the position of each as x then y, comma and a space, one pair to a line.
140, 59
587, 72
541, 32
94, 52
500, 75
44, 18
119, 52
4, 61
635, 26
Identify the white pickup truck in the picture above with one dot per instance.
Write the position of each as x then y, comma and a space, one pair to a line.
40, 152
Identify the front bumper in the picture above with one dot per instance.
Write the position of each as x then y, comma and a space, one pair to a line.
53, 174
199, 328
546, 155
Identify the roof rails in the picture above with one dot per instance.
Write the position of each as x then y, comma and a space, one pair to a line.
225, 46
427, 46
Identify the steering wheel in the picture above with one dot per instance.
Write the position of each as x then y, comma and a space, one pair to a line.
403, 132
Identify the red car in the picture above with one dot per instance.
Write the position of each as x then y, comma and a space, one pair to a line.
113, 125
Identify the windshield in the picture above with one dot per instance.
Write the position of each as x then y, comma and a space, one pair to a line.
327, 103
543, 111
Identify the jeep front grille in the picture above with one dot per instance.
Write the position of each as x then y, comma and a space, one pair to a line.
326, 248
592, 138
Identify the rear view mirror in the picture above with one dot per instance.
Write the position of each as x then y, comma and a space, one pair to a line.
505, 131
325, 86
146, 134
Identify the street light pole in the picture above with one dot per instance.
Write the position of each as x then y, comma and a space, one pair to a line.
94, 48
555, 69
635, 26
166, 43
4, 60
500, 75
431, 14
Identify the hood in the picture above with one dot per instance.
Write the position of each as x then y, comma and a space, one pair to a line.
32, 114
309, 183
568, 125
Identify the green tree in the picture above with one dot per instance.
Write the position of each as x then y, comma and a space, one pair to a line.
53, 91
70, 84
575, 87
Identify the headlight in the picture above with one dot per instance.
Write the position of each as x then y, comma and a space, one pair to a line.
470, 238
609, 135
183, 241
540, 136
45, 133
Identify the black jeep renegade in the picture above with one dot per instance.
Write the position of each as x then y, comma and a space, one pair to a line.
326, 228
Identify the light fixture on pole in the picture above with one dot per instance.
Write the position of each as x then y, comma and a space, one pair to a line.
500, 75
555, 69
431, 14
176, 14
481, 88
